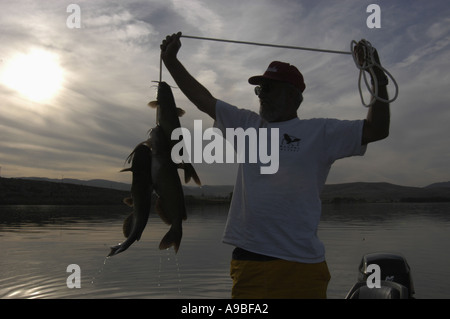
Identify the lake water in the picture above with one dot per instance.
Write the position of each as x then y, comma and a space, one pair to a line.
39, 242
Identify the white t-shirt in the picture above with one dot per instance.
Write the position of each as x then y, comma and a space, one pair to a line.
278, 214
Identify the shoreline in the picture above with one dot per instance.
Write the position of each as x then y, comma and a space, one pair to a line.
17, 191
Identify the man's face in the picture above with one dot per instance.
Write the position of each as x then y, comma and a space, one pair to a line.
273, 99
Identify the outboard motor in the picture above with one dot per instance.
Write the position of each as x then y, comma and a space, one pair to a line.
395, 278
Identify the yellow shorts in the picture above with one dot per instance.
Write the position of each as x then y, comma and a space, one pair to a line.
278, 279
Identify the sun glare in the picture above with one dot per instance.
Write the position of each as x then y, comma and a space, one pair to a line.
36, 75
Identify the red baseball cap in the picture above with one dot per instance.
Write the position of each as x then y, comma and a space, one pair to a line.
281, 71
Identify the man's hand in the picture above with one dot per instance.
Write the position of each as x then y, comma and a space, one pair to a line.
376, 125
170, 46
365, 59
193, 90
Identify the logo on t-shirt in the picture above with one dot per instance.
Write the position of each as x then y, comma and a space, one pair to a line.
290, 143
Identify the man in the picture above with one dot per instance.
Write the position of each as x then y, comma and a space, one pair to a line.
273, 218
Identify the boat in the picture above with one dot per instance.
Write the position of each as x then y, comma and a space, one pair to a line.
383, 276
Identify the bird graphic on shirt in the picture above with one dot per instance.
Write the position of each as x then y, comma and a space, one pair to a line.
290, 139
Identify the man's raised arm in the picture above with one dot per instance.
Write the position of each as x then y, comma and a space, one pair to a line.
376, 125
193, 90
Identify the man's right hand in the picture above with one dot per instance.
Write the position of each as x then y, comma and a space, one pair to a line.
170, 46
193, 90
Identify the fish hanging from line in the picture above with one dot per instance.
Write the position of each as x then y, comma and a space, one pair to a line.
154, 171
140, 200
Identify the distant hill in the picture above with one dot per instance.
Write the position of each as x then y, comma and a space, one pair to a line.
14, 191
383, 192
38, 190
46, 191
209, 191
442, 184
93, 182
196, 191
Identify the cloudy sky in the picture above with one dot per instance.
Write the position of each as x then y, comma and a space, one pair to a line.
73, 100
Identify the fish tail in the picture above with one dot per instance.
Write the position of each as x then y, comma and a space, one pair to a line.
189, 172
115, 250
120, 247
172, 238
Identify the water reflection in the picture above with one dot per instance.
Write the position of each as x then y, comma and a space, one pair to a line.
38, 242
385, 212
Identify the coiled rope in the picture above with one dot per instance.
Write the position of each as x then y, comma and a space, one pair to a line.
368, 64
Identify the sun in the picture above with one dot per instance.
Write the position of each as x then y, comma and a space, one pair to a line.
35, 75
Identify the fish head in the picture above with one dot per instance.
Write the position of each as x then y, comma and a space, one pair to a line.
167, 112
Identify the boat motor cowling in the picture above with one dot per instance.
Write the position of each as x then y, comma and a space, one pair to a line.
395, 278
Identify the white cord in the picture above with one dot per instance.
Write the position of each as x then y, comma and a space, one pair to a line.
265, 44
368, 65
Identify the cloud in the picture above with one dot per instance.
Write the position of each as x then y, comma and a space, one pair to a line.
109, 64
197, 13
